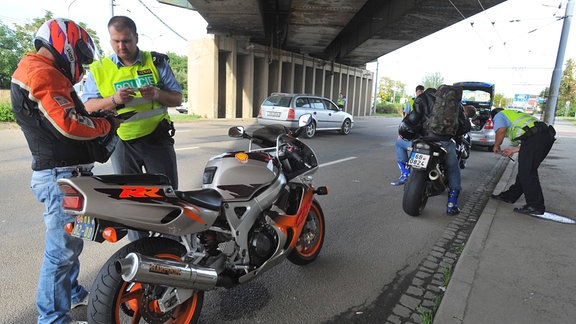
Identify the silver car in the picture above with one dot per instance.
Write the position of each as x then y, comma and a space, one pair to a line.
481, 96
286, 108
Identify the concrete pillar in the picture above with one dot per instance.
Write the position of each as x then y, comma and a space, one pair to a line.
231, 62
202, 78
229, 78
246, 65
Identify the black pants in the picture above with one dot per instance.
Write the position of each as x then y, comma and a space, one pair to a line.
533, 150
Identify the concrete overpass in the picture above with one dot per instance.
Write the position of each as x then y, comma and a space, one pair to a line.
311, 46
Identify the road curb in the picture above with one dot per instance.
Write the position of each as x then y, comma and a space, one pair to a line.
425, 284
455, 300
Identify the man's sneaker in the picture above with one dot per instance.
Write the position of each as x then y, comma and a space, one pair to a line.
82, 302
78, 322
529, 210
504, 198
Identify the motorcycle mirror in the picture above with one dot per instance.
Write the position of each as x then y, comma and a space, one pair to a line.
304, 120
236, 131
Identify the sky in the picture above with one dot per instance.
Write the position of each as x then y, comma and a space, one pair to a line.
513, 45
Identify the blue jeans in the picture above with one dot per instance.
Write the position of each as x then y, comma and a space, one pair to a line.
452, 167
58, 285
401, 147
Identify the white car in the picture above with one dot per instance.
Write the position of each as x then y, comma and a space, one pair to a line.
286, 108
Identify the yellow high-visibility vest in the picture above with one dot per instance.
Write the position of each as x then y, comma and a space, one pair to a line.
109, 78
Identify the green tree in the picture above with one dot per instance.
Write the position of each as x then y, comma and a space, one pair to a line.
10, 54
501, 101
25, 33
567, 91
390, 90
432, 80
179, 65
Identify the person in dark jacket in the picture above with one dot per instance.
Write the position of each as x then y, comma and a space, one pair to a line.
402, 144
532, 140
62, 138
423, 105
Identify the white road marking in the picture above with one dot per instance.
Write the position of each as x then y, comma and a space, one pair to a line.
186, 148
337, 161
556, 218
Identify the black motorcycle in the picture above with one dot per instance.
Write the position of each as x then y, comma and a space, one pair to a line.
428, 172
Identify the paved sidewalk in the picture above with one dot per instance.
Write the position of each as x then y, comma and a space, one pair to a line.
517, 268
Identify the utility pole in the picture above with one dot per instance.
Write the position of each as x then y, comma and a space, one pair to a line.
375, 88
550, 111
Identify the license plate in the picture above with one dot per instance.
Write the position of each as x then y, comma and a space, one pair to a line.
273, 114
419, 160
85, 227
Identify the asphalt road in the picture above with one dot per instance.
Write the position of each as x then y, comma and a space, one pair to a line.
370, 243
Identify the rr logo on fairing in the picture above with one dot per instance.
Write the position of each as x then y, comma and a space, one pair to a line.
139, 192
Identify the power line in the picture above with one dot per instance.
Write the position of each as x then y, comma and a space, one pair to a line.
162, 21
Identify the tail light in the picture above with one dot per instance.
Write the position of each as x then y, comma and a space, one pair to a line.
73, 199
489, 124
291, 114
260, 112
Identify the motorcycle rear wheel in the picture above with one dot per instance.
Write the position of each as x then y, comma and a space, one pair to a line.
113, 300
311, 239
415, 197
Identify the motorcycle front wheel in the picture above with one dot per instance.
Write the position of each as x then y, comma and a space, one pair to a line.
311, 239
415, 197
113, 300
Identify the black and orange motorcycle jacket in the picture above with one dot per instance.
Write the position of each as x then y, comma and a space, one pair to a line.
56, 125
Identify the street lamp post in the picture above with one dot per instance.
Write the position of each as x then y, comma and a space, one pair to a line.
152, 39
69, 8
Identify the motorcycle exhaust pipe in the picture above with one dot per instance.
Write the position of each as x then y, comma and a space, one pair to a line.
145, 269
434, 175
436, 181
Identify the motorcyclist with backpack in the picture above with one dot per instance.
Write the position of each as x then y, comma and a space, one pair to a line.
402, 144
420, 123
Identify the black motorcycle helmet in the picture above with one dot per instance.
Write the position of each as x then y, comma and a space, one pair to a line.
406, 132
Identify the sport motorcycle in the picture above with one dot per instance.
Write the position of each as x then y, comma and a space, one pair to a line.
428, 176
256, 208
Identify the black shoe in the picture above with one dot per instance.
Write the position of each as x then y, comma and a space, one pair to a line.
529, 210
503, 198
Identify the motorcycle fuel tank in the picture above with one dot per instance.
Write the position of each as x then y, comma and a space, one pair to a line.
238, 175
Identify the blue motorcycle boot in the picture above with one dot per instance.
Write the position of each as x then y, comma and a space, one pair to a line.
452, 204
404, 176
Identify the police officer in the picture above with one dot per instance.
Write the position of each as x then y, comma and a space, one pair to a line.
139, 86
532, 139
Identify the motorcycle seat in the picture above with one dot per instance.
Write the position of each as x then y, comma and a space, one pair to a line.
206, 198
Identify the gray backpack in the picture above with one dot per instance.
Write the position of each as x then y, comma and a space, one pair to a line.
443, 119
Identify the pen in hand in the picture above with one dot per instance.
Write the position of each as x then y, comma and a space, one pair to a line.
508, 156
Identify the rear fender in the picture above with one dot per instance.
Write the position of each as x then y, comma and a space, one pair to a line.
153, 207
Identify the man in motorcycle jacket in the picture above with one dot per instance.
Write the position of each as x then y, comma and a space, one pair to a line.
62, 138
402, 144
415, 121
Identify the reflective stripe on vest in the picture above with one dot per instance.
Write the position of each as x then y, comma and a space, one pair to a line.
109, 78
519, 121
